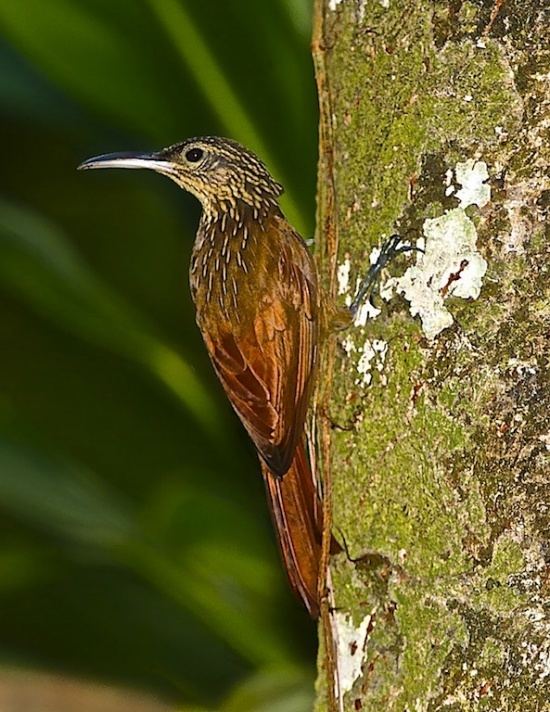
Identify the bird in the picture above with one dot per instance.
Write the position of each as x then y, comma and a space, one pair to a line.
258, 302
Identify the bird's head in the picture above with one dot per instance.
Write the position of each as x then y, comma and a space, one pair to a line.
218, 171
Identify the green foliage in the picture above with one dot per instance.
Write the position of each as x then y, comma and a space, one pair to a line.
135, 545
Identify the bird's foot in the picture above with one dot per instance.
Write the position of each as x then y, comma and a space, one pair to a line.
390, 249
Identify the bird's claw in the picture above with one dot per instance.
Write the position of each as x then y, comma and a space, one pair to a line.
391, 247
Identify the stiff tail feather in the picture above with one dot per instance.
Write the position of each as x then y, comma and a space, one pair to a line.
297, 515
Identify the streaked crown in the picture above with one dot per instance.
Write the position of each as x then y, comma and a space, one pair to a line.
221, 172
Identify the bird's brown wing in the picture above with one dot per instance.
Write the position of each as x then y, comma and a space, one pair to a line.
266, 359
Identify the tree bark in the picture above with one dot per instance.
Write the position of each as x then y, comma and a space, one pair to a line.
433, 415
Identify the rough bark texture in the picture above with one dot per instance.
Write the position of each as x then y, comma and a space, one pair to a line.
434, 124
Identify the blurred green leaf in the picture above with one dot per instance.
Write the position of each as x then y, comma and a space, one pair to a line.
21, 566
39, 264
55, 496
134, 546
132, 632
219, 599
277, 690
212, 80
217, 583
24, 93
300, 12
96, 62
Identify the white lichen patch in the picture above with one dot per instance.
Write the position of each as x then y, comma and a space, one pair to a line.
386, 290
342, 275
351, 642
451, 265
348, 344
544, 662
471, 175
450, 189
374, 255
536, 657
371, 354
333, 4
366, 311
364, 364
371, 350
381, 349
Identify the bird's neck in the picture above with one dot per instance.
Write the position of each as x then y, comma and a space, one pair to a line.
228, 217
225, 252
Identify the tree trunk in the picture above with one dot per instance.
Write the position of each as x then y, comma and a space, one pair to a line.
433, 415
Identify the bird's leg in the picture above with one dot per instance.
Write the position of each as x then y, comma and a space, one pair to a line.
390, 249
339, 317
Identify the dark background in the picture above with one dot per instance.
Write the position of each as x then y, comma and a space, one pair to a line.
135, 544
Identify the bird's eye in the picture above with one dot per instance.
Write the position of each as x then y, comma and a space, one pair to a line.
194, 154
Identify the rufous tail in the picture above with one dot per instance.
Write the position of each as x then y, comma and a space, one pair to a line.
297, 515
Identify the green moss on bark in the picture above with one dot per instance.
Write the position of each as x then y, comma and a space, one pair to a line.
438, 462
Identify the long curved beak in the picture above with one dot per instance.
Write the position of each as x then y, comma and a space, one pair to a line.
152, 161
